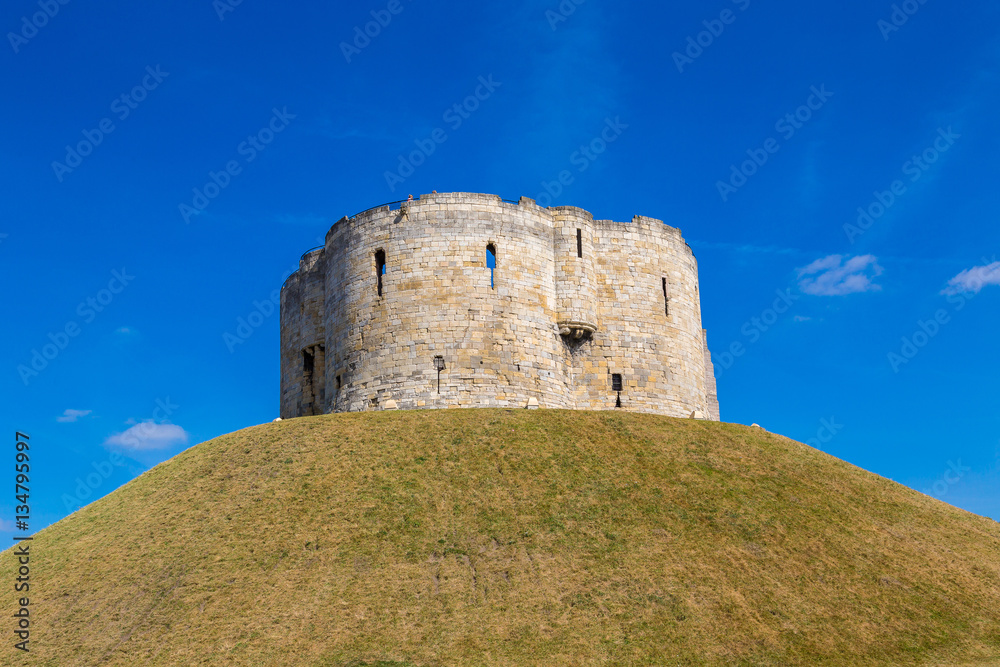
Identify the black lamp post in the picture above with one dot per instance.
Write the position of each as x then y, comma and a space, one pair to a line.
439, 366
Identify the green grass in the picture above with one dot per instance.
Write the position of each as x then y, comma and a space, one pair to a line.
500, 537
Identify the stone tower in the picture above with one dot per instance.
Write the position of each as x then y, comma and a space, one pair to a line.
467, 300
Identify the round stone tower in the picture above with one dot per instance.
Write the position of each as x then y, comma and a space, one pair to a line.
466, 300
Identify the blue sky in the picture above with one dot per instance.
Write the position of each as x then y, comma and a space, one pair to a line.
165, 165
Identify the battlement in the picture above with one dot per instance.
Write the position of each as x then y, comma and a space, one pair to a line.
466, 299
479, 201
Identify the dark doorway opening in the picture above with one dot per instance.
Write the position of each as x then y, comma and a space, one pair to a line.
313, 380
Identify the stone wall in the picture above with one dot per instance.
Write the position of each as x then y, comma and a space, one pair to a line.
573, 301
302, 328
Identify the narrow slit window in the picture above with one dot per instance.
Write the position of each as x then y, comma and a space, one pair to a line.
491, 263
616, 382
339, 383
666, 298
379, 268
579, 243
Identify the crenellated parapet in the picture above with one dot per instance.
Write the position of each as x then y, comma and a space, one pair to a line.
467, 300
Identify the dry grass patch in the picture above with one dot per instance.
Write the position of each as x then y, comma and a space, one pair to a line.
498, 537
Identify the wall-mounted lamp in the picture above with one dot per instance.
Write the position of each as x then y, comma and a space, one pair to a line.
439, 366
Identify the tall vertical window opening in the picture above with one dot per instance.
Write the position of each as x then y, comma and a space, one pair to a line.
379, 268
666, 298
313, 391
616, 382
491, 263
579, 243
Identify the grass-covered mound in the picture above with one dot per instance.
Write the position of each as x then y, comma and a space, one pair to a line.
499, 537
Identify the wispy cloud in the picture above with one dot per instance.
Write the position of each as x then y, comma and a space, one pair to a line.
308, 219
746, 248
69, 416
974, 280
837, 275
147, 436
347, 125
573, 84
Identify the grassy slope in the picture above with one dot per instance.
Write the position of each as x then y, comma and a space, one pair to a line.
493, 537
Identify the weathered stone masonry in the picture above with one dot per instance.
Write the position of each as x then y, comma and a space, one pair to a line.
577, 308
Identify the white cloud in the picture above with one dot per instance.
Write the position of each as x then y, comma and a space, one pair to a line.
69, 416
148, 435
801, 318
974, 279
7, 526
746, 248
837, 275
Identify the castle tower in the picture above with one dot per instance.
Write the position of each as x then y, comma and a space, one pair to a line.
466, 300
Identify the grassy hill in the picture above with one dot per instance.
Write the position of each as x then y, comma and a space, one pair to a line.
499, 537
